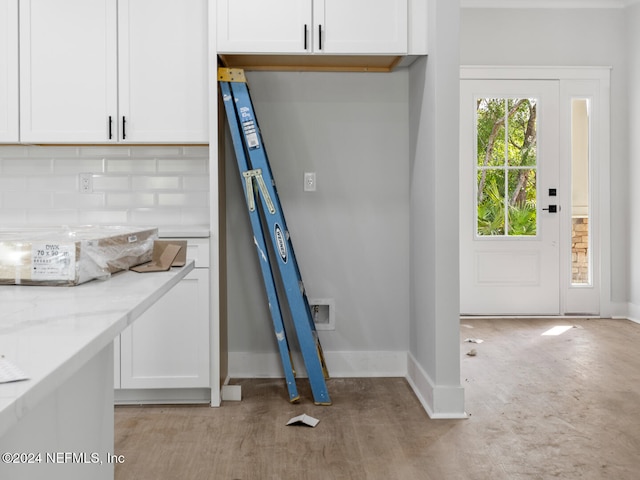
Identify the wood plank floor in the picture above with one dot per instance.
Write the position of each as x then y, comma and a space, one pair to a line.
540, 407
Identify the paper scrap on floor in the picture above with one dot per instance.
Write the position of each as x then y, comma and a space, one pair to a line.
303, 420
474, 340
9, 372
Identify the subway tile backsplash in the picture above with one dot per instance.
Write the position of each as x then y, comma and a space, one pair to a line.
137, 185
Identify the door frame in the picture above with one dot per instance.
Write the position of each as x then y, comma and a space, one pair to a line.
593, 82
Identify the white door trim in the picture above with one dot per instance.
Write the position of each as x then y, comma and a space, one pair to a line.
602, 76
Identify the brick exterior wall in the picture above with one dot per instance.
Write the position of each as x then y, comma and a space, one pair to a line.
580, 250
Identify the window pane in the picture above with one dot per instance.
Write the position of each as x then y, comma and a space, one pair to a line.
491, 113
522, 202
506, 192
522, 124
491, 204
580, 241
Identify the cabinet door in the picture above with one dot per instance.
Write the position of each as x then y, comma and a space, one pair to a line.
162, 56
360, 26
9, 71
168, 347
67, 70
264, 26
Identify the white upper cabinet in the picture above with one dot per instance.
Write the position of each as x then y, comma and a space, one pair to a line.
360, 26
105, 71
356, 27
264, 26
9, 71
68, 70
162, 58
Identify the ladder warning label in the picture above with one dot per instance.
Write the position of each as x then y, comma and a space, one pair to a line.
251, 135
249, 128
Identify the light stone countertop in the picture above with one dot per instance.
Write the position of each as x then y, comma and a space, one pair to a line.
51, 332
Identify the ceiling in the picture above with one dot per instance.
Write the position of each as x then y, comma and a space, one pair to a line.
547, 3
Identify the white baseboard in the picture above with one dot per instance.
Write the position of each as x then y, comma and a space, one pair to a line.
339, 364
231, 393
254, 365
154, 396
367, 364
633, 312
440, 402
622, 310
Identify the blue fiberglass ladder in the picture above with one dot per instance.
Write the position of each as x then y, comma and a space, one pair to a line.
257, 181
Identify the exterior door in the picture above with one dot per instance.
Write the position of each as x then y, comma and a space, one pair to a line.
509, 197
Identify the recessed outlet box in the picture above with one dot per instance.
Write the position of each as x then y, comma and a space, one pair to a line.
85, 185
323, 313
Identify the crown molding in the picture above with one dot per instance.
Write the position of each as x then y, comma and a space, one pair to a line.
547, 3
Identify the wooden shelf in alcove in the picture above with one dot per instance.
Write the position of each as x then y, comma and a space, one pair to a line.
312, 63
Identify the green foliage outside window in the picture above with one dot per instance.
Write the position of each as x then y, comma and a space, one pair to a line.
506, 166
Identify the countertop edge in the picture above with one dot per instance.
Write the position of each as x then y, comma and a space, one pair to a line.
16, 408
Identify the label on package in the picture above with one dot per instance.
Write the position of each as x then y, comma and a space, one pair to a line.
53, 261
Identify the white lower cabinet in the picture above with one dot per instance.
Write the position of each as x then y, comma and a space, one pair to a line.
164, 356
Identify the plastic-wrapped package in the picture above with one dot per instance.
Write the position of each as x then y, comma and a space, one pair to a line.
71, 255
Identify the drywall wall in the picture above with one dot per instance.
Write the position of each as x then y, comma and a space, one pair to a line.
632, 19
565, 37
434, 360
351, 235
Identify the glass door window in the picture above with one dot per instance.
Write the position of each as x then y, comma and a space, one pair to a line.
506, 168
580, 224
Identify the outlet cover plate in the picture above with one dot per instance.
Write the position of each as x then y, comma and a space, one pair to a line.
85, 183
309, 181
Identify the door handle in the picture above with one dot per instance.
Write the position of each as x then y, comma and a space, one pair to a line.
551, 209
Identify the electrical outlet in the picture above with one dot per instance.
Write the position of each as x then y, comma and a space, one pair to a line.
86, 183
309, 181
